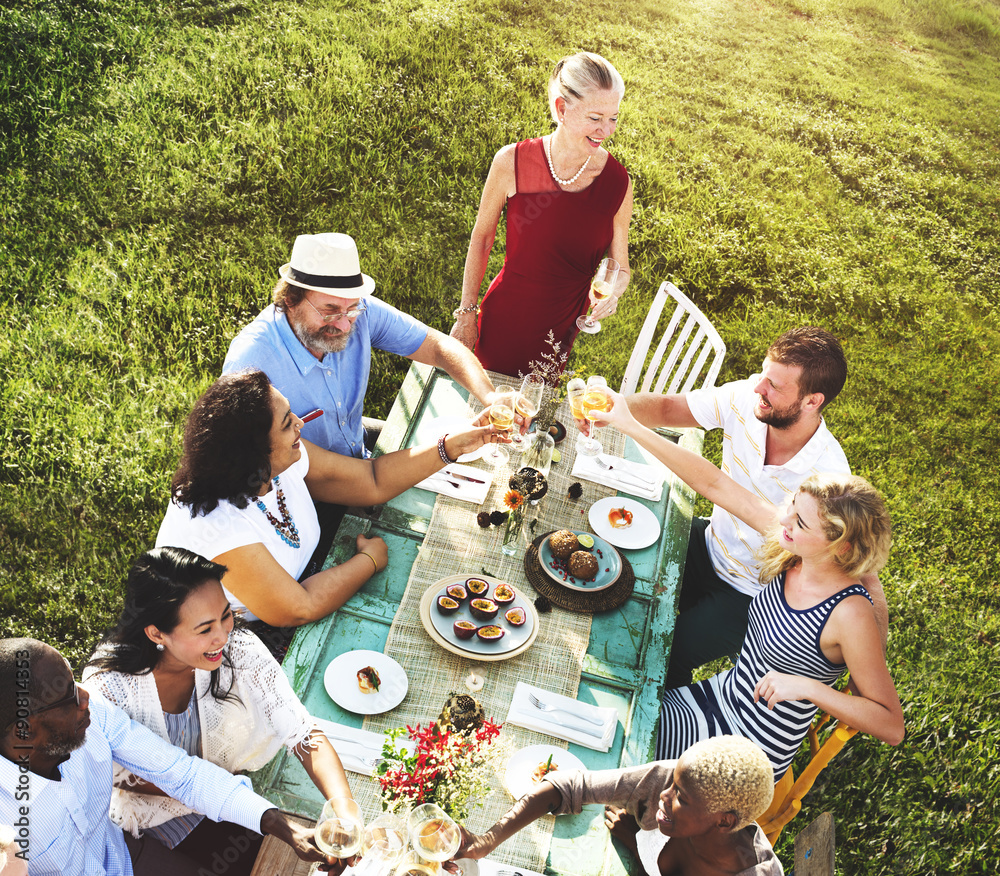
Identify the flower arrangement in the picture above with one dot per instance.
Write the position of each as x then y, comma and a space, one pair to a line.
514, 501
551, 368
448, 767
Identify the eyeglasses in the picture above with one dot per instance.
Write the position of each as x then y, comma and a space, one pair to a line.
353, 313
72, 697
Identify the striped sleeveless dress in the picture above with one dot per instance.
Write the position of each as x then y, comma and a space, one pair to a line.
778, 638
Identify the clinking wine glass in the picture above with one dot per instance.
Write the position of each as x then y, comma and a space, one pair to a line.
502, 418
383, 845
601, 286
595, 398
526, 405
434, 834
340, 828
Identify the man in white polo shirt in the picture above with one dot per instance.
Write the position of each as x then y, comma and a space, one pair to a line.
774, 438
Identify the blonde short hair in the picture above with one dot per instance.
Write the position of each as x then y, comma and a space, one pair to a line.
731, 774
576, 74
854, 518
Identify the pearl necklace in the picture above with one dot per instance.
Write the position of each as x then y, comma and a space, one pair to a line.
552, 170
284, 527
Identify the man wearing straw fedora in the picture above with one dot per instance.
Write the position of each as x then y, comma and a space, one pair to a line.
315, 341
315, 344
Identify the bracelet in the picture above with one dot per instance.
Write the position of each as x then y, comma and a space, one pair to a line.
370, 557
472, 308
444, 453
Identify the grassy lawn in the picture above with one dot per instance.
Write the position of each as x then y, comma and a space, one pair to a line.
794, 161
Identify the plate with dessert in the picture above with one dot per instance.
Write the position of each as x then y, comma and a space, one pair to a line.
579, 560
479, 617
527, 767
624, 522
365, 682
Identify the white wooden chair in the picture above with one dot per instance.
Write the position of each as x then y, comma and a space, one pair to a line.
693, 340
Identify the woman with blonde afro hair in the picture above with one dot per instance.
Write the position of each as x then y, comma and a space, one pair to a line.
812, 621
689, 816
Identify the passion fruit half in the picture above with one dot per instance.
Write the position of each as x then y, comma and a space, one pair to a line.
515, 616
503, 594
457, 592
447, 605
464, 629
477, 586
491, 633
483, 609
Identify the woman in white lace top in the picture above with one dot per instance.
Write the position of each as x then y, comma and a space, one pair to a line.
175, 664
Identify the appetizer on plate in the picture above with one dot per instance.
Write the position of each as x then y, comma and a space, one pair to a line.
543, 769
368, 680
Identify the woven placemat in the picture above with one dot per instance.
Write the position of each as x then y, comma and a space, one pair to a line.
577, 600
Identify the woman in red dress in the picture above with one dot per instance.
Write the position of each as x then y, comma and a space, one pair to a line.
569, 204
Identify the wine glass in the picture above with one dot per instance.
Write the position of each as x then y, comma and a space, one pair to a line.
383, 845
413, 865
601, 287
387, 833
340, 828
529, 400
595, 398
502, 418
434, 834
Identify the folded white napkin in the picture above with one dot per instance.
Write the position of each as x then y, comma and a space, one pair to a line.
494, 868
467, 491
560, 724
359, 750
636, 477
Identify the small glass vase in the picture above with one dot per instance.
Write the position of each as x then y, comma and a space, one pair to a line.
513, 530
539, 453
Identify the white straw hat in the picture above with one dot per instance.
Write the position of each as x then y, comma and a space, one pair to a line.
327, 263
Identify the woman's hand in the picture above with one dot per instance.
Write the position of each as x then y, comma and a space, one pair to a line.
776, 687
605, 307
479, 432
466, 330
375, 547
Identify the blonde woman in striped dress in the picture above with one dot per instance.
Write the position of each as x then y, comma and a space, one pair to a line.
809, 625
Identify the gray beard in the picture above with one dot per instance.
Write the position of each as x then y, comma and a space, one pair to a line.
322, 341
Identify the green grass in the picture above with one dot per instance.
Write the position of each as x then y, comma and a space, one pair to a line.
829, 162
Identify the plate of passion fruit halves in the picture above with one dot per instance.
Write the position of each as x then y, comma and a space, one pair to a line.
478, 617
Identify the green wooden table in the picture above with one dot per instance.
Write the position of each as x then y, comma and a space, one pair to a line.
626, 660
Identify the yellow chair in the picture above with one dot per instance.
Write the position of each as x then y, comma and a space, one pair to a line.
788, 793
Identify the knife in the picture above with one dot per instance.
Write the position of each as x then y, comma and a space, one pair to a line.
462, 477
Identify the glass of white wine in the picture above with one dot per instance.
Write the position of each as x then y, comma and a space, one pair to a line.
340, 828
601, 287
502, 418
413, 865
435, 834
595, 398
526, 405
383, 845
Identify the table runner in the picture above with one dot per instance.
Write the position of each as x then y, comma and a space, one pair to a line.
455, 544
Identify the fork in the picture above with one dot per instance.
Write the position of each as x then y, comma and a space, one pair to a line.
447, 480
545, 707
607, 466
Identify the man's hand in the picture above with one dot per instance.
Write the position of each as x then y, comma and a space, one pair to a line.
302, 839
472, 846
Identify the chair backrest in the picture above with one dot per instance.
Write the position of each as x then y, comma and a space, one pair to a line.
691, 339
789, 791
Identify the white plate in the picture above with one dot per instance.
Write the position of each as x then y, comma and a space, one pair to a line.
522, 764
428, 433
645, 528
341, 682
513, 638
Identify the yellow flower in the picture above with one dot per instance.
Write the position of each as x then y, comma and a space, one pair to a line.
513, 500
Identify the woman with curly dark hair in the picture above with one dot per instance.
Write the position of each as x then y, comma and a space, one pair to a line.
179, 664
243, 497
